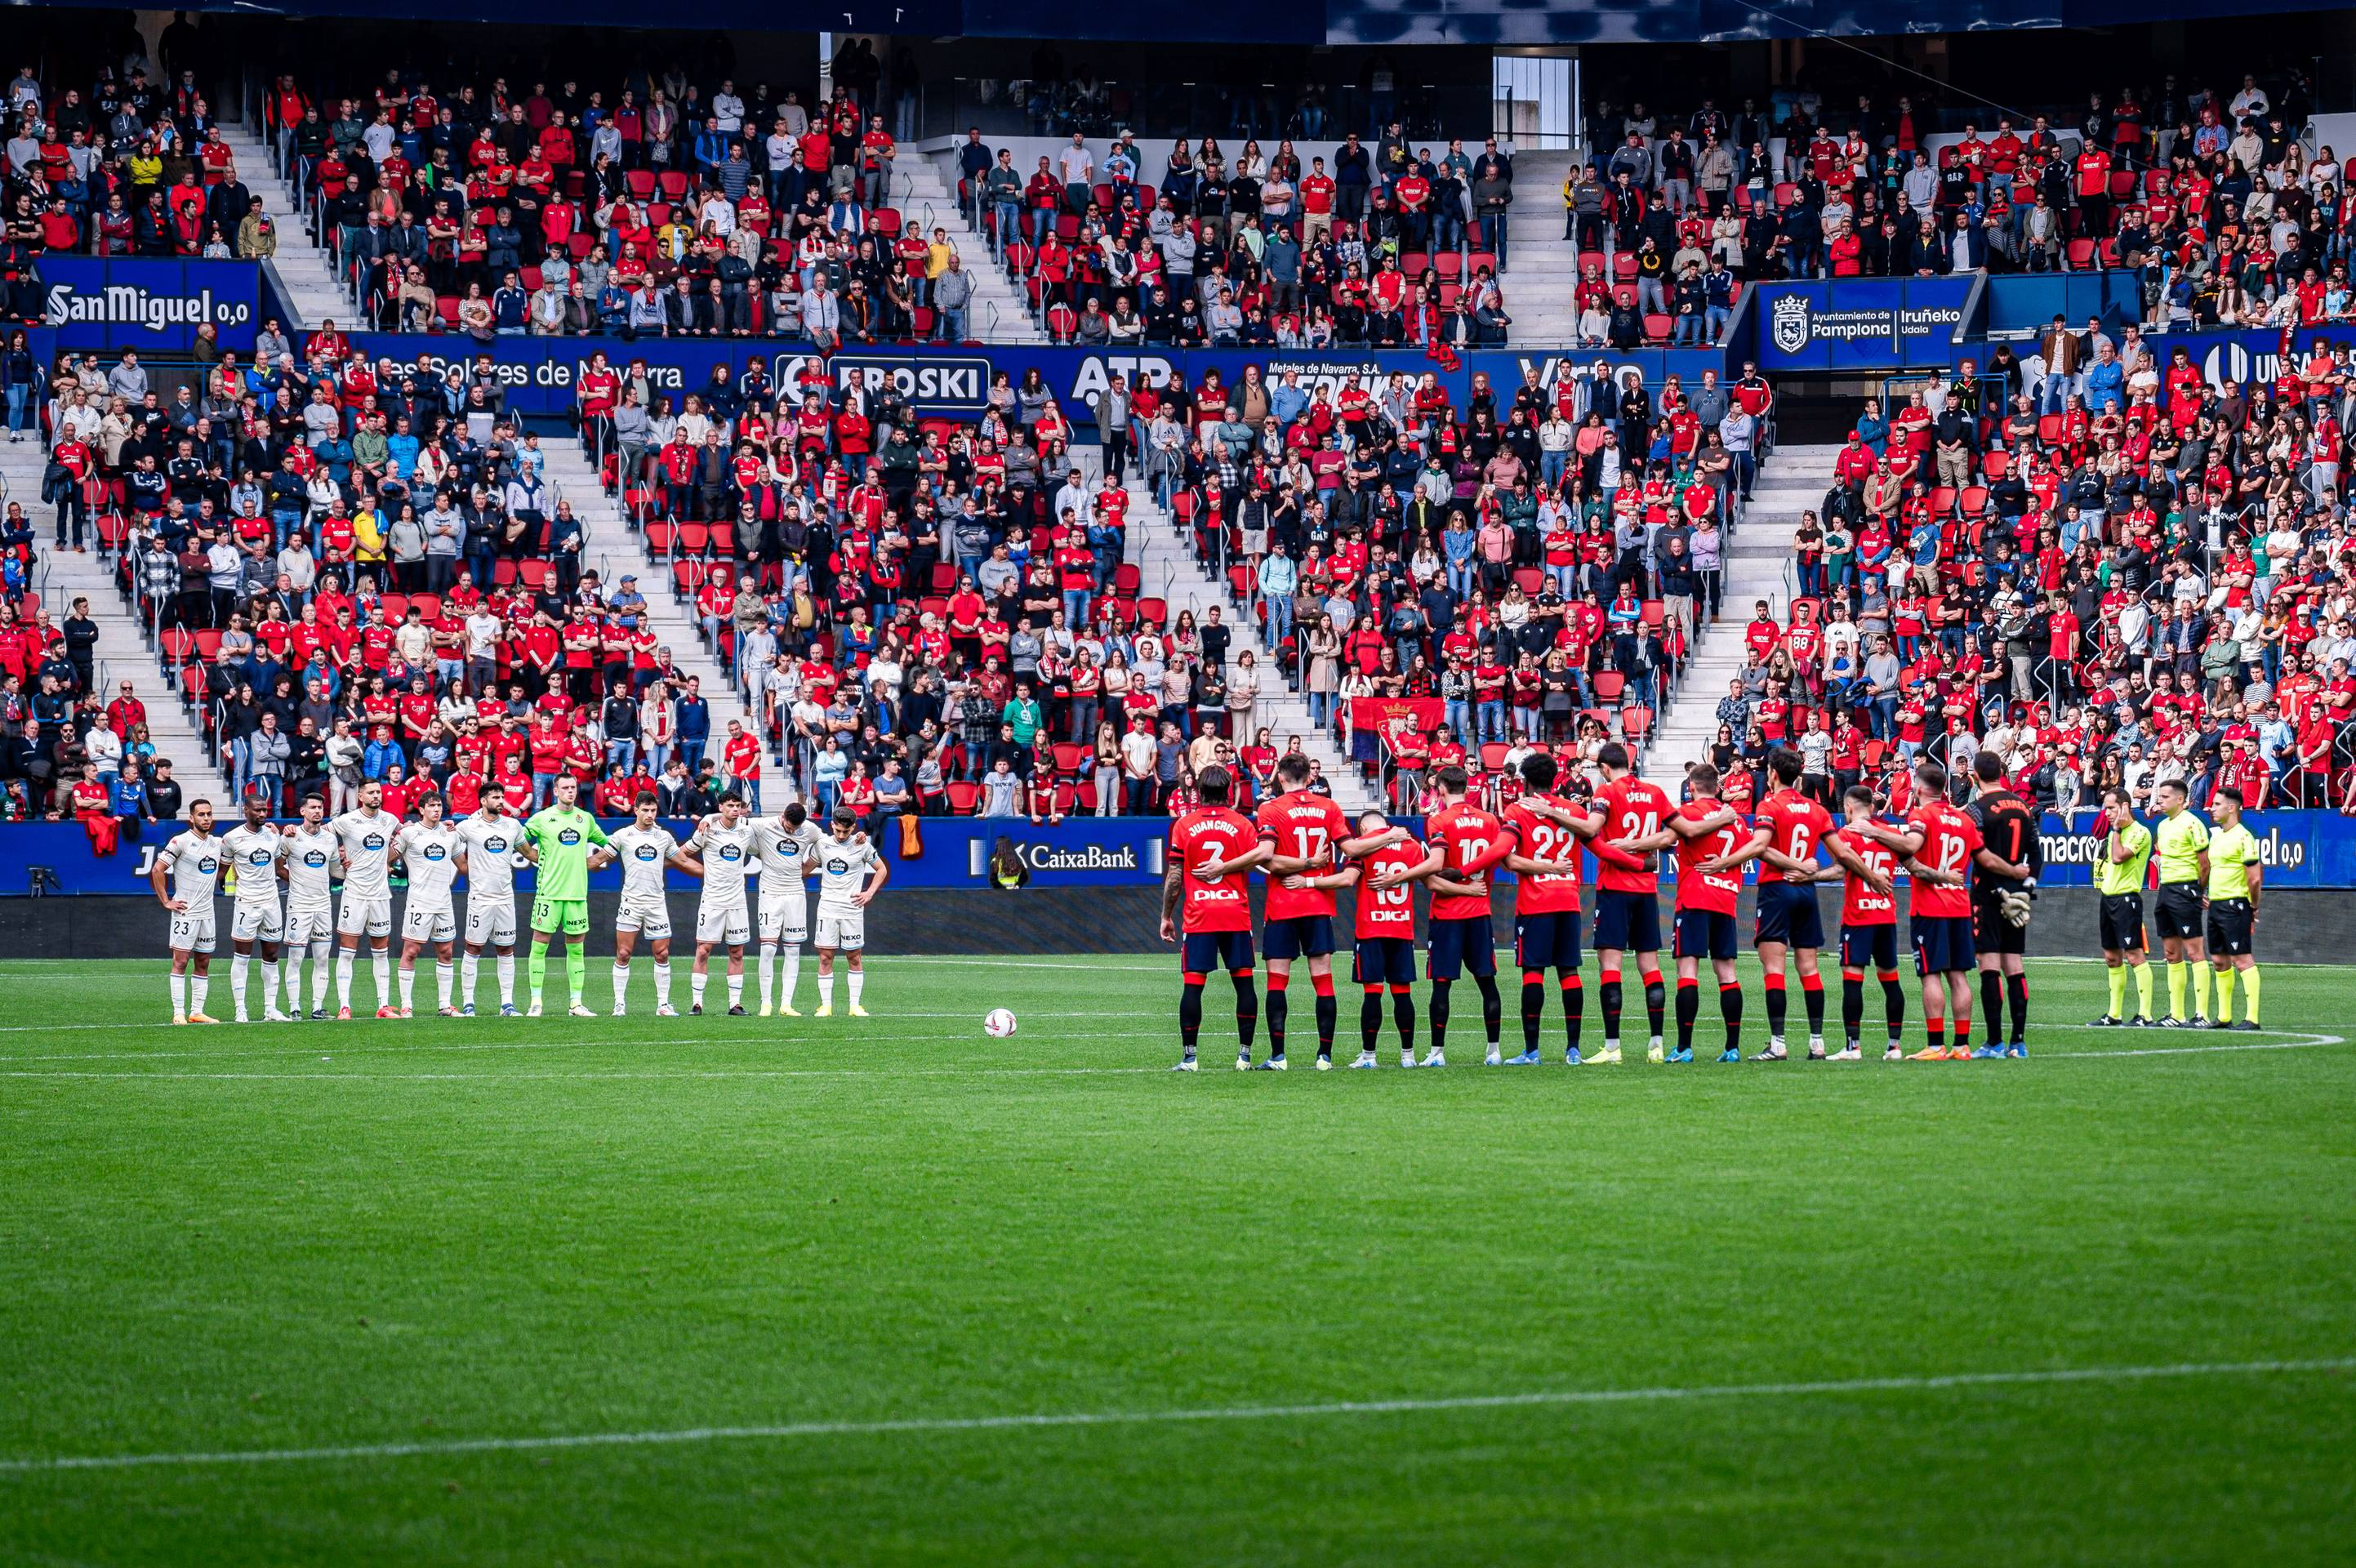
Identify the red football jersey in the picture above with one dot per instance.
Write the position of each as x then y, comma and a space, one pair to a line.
1632, 809
1468, 839
1388, 911
1949, 842
1861, 905
1540, 839
1795, 826
1302, 825
1714, 890
1204, 834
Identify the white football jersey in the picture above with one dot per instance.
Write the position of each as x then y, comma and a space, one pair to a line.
842, 869
490, 856
195, 863
255, 852
431, 856
310, 867
727, 856
643, 852
787, 855
367, 838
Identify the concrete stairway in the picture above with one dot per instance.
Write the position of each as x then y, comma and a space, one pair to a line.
302, 263
1758, 562
1541, 267
928, 196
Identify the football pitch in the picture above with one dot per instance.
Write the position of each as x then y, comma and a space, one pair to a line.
744, 1290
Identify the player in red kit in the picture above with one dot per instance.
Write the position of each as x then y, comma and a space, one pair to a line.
1207, 896
1547, 830
1710, 879
1627, 907
1869, 926
1785, 833
1384, 954
1462, 841
1299, 828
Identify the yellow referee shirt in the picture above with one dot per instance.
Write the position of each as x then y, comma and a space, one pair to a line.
2231, 854
2127, 875
2179, 840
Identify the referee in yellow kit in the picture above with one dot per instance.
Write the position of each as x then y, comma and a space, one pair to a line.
2236, 876
2180, 840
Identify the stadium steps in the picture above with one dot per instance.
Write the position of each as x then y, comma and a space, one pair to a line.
611, 548
1541, 274
1758, 562
1168, 570
927, 197
124, 651
302, 263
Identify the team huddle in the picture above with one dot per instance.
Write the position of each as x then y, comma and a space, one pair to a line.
1971, 879
562, 845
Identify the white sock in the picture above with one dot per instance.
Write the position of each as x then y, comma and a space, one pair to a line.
470, 969
824, 989
857, 981
199, 985
321, 955
696, 981
177, 986
408, 986
621, 985
445, 981
382, 959
793, 957
662, 982
736, 989
506, 980
343, 978
239, 965
768, 965
269, 972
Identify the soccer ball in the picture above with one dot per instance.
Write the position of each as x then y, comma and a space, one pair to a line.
998, 1024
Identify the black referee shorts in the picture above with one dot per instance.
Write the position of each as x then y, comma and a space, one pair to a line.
2122, 922
2179, 911
2229, 923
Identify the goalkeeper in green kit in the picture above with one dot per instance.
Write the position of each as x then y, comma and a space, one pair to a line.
558, 842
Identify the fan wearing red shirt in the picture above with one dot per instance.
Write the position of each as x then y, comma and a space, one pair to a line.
1785, 836
1207, 896
1383, 955
1869, 926
1627, 911
1939, 845
1710, 878
1462, 843
1546, 833
1300, 830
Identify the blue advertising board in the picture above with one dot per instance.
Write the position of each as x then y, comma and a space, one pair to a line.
2301, 849
1859, 323
118, 302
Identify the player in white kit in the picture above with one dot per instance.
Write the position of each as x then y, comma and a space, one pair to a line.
366, 836
786, 848
844, 891
433, 852
724, 844
193, 860
492, 835
644, 848
312, 856
256, 850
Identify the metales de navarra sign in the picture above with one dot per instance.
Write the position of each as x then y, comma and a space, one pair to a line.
113, 302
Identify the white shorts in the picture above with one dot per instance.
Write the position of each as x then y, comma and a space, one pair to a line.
651, 921
428, 924
725, 924
787, 920
192, 929
490, 922
305, 927
844, 933
256, 922
372, 916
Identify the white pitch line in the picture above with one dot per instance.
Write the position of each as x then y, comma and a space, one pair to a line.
1051, 1418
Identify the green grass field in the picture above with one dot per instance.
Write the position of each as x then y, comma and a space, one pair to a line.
513, 1293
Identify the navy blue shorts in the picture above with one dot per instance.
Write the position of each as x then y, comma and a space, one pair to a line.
1461, 946
1384, 961
1207, 950
1870, 947
1706, 933
1943, 943
1627, 922
1547, 941
1301, 936
1788, 914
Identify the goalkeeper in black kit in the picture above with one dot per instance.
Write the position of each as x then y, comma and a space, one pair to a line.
2001, 905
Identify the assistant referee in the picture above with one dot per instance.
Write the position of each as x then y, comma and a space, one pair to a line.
2181, 841
2119, 878
2236, 875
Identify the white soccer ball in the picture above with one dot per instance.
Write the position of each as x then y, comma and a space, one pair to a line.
1000, 1023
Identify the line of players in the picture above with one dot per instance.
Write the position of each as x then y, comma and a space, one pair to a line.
306, 859
1973, 875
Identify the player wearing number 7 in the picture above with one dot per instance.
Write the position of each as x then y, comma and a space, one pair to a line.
1299, 828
